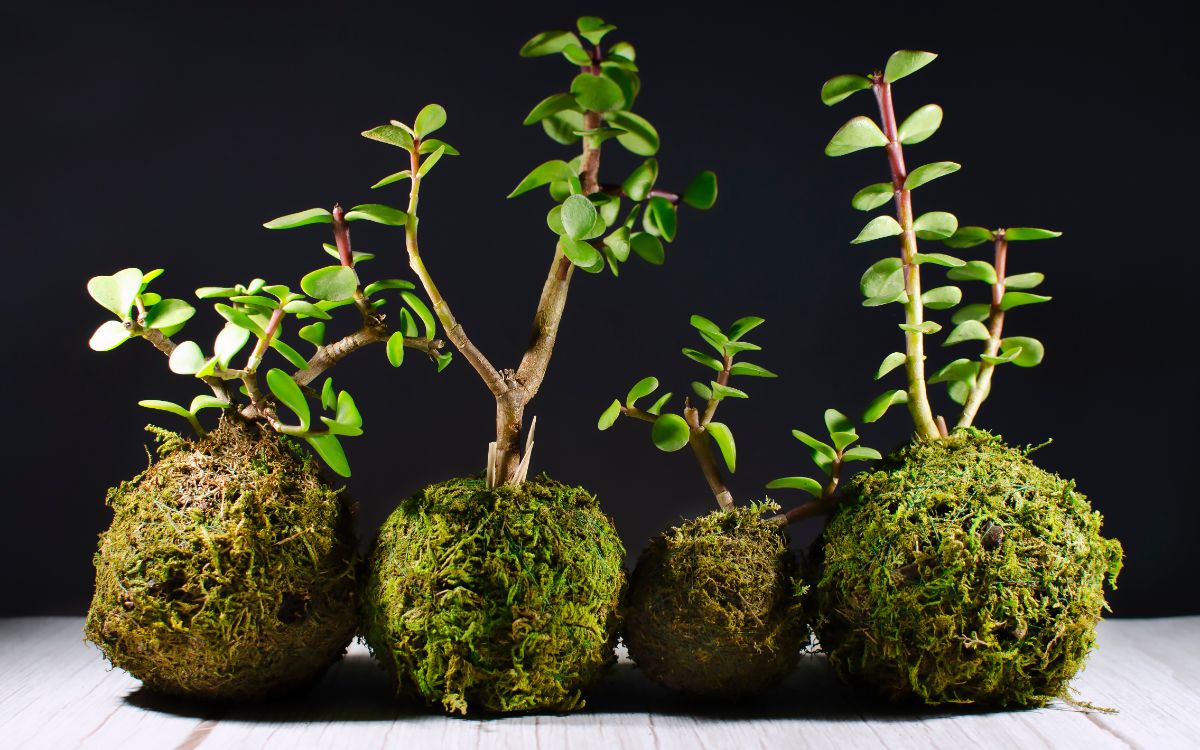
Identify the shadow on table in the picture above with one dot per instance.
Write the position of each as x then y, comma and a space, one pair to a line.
356, 689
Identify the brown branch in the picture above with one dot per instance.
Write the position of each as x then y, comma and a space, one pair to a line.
699, 441
983, 380
330, 354
165, 345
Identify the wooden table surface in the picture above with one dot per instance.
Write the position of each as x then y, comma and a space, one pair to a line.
57, 692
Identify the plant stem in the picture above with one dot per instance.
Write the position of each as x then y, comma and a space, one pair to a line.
983, 380
701, 445
341, 240
710, 409
818, 505
914, 314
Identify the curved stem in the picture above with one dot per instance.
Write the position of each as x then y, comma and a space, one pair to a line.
983, 379
701, 444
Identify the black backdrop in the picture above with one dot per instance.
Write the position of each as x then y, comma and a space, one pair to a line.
143, 135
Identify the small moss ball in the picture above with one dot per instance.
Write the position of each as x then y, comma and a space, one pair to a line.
957, 571
495, 599
228, 571
714, 607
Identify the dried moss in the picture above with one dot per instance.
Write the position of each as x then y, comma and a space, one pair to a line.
228, 570
499, 599
960, 572
714, 605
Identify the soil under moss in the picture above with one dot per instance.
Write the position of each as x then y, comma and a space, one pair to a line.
502, 599
228, 570
715, 606
957, 571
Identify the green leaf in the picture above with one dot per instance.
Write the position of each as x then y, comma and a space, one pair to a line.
624, 50
877, 228
618, 244
971, 312
703, 359
433, 145
926, 327
328, 397
307, 309
116, 293
169, 313
938, 259
331, 283
968, 330
544, 174
884, 279
835, 421
929, 172
811, 486
108, 336
701, 323
648, 247
882, 403
1018, 299
1030, 233
289, 394
643, 387
843, 438
969, 237
942, 297
430, 161
265, 304
818, 448
872, 196
935, 225
720, 392
750, 370
150, 299
169, 407
378, 213
861, 453
1031, 350
859, 133
592, 28
609, 416
201, 402
313, 334
563, 127
660, 218
906, 62
240, 319
355, 256
839, 87
347, 411
393, 135
670, 432
959, 369
329, 448
291, 355
639, 137
395, 348
405, 174
186, 359
597, 93
702, 390
582, 254
229, 342
431, 117
578, 216
1024, 280
742, 326
701, 192
724, 439
641, 180
300, 219
890, 362
382, 284
576, 54
920, 125
549, 43
423, 312
657, 406
974, 270
151, 275
1002, 359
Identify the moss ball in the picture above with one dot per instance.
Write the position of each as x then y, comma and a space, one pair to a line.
957, 571
714, 606
501, 599
228, 571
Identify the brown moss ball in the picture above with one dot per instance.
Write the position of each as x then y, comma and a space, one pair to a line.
714, 608
228, 571
495, 599
960, 572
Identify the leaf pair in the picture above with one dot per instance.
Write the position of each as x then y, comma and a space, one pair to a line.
828, 456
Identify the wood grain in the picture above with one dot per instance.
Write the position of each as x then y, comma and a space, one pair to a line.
57, 692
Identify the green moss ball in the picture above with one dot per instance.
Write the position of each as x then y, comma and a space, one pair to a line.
501, 599
714, 606
958, 571
228, 571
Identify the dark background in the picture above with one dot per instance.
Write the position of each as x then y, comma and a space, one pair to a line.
150, 136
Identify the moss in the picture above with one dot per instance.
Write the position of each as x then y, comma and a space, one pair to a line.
960, 572
228, 570
499, 599
714, 605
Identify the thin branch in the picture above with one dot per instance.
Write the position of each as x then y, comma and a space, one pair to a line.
818, 506
330, 354
165, 345
710, 408
701, 445
983, 380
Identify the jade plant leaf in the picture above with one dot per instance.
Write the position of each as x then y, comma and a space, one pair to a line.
1030, 233
858, 133
927, 173
597, 93
429, 119
811, 486
1018, 299
230, 341
423, 312
861, 453
108, 336
641, 180
544, 174
1024, 280
872, 196
724, 439
331, 283
969, 237
609, 416
921, 124
890, 362
187, 359
640, 389
116, 293
670, 432
701, 192
935, 225
395, 348
750, 369
878, 228
639, 137
881, 403
289, 394
300, 219
648, 247
378, 213
942, 297
839, 87
657, 406
968, 330
1031, 350
906, 62
548, 43
329, 448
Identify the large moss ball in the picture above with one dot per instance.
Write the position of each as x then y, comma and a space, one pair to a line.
714, 607
228, 571
495, 599
960, 572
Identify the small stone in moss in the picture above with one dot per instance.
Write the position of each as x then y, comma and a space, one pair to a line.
957, 571
501, 599
228, 571
715, 606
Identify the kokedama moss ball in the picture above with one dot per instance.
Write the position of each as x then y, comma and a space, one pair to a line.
228, 570
958, 571
715, 606
501, 599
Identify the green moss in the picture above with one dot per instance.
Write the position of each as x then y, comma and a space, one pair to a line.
499, 599
958, 571
714, 605
228, 570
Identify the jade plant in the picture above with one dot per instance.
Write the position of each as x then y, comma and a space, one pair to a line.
228, 572
954, 570
714, 606
494, 592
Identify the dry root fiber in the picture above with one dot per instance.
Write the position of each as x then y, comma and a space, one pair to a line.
957, 571
228, 571
714, 606
501, 599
